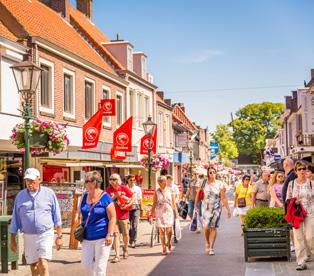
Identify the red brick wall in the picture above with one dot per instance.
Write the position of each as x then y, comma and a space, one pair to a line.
80, 75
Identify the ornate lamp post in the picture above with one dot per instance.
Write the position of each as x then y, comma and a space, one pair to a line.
149, 128
26, 75
191, 145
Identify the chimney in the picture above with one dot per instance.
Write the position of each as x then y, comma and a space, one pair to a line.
85, 7
312, 73
168, 102
160, 94
60, 6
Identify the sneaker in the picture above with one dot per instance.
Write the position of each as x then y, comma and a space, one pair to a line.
301, 267
292, 249
211, 252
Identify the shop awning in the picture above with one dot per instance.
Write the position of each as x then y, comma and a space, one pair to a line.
84, 164
130, 166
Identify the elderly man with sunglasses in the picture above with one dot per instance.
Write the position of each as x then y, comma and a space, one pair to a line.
123, 199
36, 212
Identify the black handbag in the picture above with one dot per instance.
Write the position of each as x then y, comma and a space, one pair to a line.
183, 209
242, 200
79, 231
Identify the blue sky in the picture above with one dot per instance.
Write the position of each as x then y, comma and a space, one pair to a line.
216, 45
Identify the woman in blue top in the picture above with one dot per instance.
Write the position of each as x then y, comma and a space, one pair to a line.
99, 217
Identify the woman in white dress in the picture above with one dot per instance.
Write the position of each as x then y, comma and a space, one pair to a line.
164, 209
214, 194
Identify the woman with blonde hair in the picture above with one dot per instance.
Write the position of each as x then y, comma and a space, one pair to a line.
275, 189
164, 209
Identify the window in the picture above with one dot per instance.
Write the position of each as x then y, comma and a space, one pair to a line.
46, 95
160, 129
130, 58
140, 116
119, 109
146, 108
45, 87
167, 130
144, 67
68, 94
106, 95
89, 99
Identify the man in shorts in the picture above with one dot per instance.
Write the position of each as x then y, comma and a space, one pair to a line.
36, 212
123, 199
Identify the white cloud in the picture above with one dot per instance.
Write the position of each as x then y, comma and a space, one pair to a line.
200, 56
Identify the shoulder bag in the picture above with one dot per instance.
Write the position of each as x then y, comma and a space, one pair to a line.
242, 200
80, 230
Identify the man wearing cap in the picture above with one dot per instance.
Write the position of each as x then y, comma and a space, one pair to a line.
36, 213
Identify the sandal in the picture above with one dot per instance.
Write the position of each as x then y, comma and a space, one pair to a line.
115, 259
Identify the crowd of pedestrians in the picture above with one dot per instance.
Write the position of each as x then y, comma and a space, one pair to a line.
110, 214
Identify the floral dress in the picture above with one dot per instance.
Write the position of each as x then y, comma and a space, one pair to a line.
164, 211
211, 206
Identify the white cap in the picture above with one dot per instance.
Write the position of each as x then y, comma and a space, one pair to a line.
31, 173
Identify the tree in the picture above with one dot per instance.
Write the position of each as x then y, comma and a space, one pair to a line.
254, 124
223, 136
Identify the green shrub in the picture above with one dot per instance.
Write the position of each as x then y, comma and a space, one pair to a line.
265, 218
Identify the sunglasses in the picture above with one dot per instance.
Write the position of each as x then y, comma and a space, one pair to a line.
247, 179
113, 179
88, 181
212, 172
301, 169
280, 176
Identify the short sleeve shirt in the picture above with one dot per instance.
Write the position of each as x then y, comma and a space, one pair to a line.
243, 192
97, 226
261, 190
138, 194
122, 191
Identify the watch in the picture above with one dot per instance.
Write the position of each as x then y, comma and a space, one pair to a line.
59, 236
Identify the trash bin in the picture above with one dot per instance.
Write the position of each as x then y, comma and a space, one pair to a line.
6, 255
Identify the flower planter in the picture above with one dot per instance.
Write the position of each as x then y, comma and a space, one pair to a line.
38, 140
266, 242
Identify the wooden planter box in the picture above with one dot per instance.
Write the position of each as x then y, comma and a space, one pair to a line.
266, 242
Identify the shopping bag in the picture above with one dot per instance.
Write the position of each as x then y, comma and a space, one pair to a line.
235, 212
200, 221
183, 209
193, 225
178, 229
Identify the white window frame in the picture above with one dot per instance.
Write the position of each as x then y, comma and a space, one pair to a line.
52, 76
118, 93
94, 96
72, 74
133, 105
167, 123
160, 131
107, 88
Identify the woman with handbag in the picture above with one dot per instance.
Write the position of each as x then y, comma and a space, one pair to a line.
214, 195
242, 198
164, 209
98, 221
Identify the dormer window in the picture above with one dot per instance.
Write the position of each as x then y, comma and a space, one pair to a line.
130, 58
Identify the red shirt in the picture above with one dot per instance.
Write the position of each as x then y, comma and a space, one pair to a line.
122, 191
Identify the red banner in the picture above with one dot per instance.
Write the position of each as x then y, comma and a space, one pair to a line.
122, 137
145, 141
117, 154
91, 130
108, 106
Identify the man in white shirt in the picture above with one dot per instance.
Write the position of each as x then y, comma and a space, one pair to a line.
134, 213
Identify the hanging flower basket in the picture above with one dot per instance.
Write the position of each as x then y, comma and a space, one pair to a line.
44, 137
157, 161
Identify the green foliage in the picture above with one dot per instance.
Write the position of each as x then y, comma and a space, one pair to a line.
255, 123
265, 218
223, 136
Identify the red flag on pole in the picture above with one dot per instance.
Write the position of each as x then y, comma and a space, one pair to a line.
122, 137
145, 141
91, 130
108, 106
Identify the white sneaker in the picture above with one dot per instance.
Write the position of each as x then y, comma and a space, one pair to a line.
292, 249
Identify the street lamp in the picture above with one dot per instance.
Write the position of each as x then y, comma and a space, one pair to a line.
26, 75
149, 129
191, 145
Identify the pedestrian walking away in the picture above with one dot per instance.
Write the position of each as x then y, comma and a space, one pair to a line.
214, 194
260, 195
36, 212
164, 209
123, 199
242, 198
301, 189
99, 218
134, 214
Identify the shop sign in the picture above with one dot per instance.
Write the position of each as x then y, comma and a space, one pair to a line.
117, 154
147, 202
